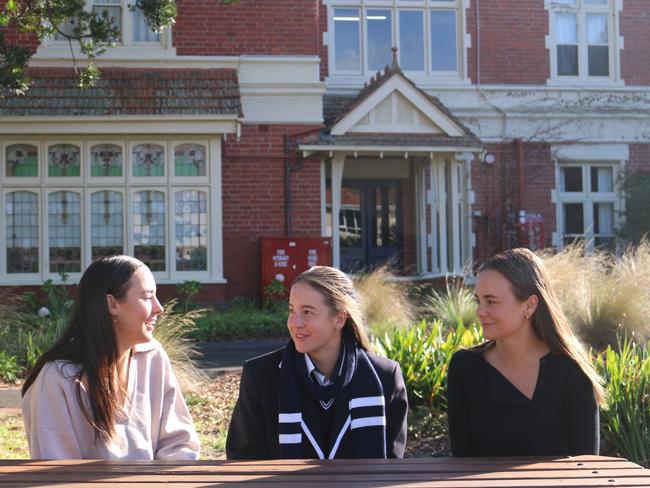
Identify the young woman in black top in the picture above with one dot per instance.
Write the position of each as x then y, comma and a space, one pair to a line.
324, 395
529, 390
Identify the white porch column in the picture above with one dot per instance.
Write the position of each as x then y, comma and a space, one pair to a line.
323, 199
438, 181
421, 230
338, 162
457, 265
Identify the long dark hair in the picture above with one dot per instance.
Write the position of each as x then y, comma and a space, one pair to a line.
340, 296
528, 276
90, 340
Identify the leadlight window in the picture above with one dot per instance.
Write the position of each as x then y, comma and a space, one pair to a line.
63, 160
191, 230
106, 160
148, 160
21, 209
64, 230
106, 223
45, 219
21, 160
149, 228
190, 160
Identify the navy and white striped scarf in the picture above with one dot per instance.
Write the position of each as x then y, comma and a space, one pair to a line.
358, 385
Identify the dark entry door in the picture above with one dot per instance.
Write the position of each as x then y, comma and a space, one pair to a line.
370, 223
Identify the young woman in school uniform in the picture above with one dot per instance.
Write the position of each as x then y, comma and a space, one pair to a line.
324, 395
530, 390
106, 389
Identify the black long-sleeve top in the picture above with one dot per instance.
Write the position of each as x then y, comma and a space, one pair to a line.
488, 416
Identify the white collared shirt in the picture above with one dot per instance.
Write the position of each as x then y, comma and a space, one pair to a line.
320, 377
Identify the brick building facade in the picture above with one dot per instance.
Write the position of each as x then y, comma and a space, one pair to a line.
489, 114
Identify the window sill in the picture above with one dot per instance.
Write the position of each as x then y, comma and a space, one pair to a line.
584, 83
140, 52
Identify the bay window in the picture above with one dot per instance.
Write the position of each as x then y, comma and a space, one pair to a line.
65, 203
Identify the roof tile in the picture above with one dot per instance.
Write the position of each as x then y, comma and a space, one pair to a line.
129, 92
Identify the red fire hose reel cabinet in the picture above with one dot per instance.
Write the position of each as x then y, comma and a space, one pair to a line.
284, 258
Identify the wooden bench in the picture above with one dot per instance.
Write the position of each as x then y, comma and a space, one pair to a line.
582, 471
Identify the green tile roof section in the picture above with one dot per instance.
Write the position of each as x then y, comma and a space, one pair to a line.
124, 92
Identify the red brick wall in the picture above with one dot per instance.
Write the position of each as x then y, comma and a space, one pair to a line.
281, 27
253, 201
512, 46
496, 189
12, 36
639, 158
635, 29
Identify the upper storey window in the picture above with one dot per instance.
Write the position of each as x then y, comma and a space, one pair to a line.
131, 25
583, 34
426, 33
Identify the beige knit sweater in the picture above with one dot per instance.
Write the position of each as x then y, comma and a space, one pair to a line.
154, 423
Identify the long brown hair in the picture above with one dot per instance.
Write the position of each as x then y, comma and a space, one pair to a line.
340, 296
90, 340
528, 276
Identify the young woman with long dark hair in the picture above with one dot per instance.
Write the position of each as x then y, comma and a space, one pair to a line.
106, 389
530, 389
324, 395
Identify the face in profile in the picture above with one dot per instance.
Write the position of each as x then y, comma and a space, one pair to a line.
500, 312
314, 328
135, 315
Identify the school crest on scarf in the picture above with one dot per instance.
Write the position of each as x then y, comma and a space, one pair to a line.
358, 385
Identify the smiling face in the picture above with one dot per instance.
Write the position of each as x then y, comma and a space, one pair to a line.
135, 315
314, 327
501, 314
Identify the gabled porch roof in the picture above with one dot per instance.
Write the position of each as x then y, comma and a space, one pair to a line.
390, 114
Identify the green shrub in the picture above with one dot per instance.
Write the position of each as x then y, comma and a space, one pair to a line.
10, 370
187, 290
625, 423
241, 320
453, 305
29, 327
423, 352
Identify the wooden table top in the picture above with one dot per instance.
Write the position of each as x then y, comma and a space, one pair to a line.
583, 471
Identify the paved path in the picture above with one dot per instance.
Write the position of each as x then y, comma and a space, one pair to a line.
216, 357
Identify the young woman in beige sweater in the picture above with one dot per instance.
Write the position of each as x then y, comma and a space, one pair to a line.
106, 389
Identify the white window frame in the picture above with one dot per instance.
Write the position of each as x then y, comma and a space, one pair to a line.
64, 180
98, 180
127, 48
427, 76
147, 180
85, 186
45, 232
130, 245
87, 223
30, 277
171, 258
586, 197
615, 42
185, 180
22, 180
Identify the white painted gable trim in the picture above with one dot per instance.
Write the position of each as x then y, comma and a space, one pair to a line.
399, 84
